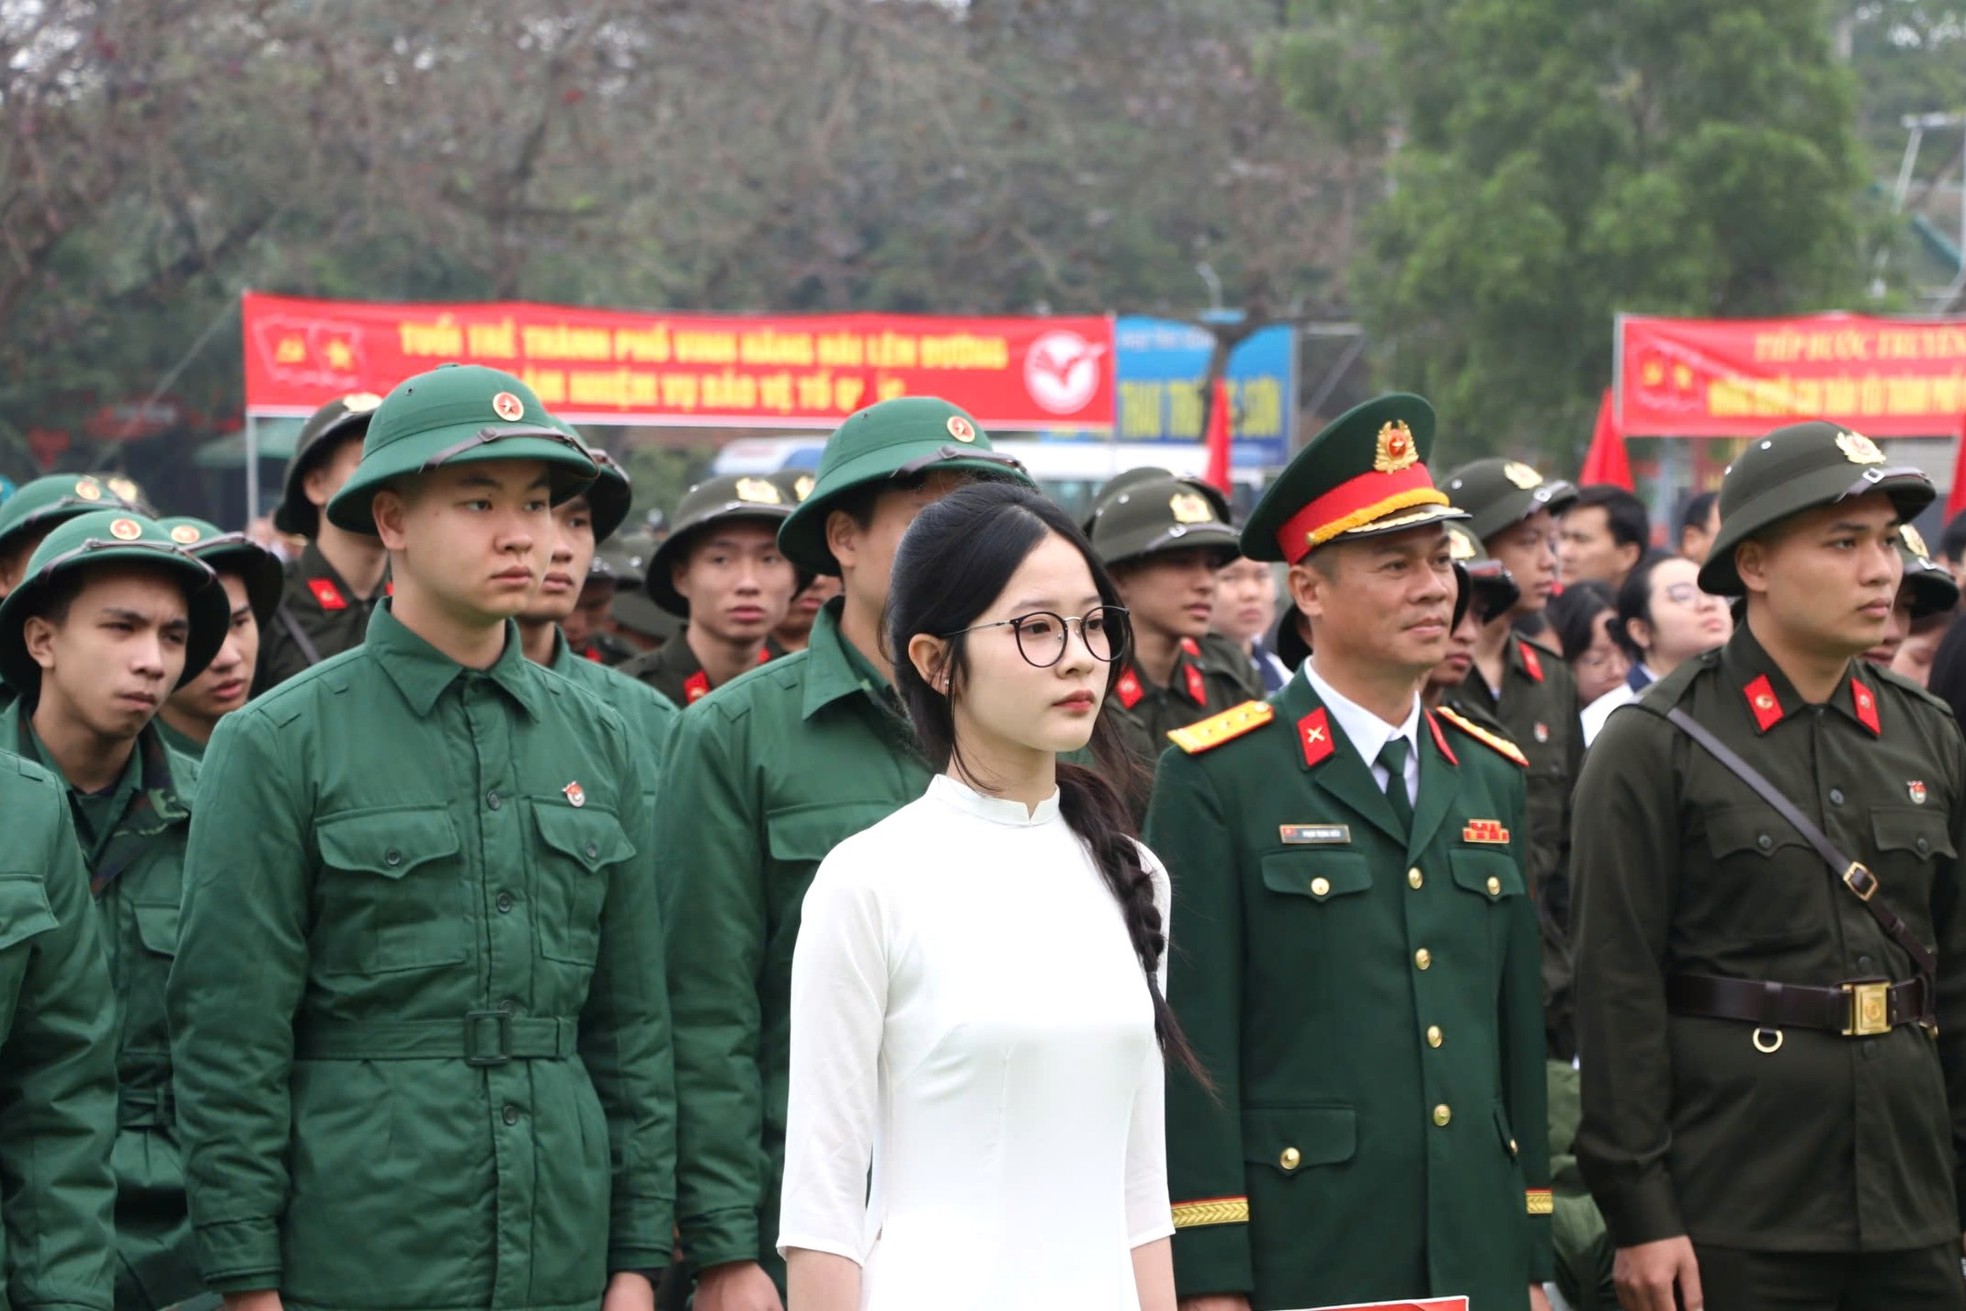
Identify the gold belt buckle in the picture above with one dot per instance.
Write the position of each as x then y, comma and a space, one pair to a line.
1860, 880
1870, 1009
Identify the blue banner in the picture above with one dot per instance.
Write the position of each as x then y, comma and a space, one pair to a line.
1158, 366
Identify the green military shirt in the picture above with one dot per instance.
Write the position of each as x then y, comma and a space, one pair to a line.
421, 1034
57, 1059
1210, 676
673, 670
183, 744
132, 838
766, 775
1367, 1006
1828, 1143
319, 616
651, 716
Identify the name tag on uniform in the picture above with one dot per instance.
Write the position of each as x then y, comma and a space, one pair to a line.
1301, 834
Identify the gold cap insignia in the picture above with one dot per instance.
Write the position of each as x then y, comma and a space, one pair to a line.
961, 429
757, 491
125, 530
1191, 507
124, 487
1459, 544
802, 487
1858, 449
1915, 540
361, 402
1521, 475
184, 534
508, 407
1396, 448
88, 489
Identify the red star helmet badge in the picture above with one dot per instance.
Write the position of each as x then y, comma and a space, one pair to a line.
508, 407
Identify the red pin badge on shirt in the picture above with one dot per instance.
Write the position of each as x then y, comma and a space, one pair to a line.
576, 797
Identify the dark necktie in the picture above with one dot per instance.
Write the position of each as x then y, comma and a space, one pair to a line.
1393, 757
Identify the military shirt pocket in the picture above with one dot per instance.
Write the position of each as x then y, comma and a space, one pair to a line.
570, 877
804, 835
24, 916
1768, 886
157, 928
1288, 1139
1490, 875
392, 887
1913, 830
1321, 876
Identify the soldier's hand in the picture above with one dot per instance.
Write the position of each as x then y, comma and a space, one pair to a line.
1648, 1274
1215, 1302
260, 1299
736, 1286
628, 1291
1538, 1299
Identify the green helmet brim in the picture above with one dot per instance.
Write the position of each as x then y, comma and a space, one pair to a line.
566, 460
802, 537
1910, 491
210, 611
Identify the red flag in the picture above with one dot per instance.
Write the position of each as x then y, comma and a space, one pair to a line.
1606, 461
1956, 498
1220, 421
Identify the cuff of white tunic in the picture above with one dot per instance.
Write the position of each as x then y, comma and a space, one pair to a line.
814, 1243
1152, 1234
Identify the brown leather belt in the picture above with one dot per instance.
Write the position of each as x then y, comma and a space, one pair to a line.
1856, 1009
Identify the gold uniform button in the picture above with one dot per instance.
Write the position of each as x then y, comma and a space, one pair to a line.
1442, 1115
1433, 1035
1289, 1159
1512, 1147
1423, 958
1494, 887
1414, 878
1320, 887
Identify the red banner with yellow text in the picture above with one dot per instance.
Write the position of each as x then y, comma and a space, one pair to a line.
1741, 377
612, 367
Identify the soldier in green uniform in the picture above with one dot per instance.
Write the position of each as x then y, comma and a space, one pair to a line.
1162, 538
1485, 591
33, 512
721, 570
795, 630
1527, 689
57, 1060
332, 586
1774, 1088
766, 775
111, 617
253, 580
635, 620
1356, 953
418, 1014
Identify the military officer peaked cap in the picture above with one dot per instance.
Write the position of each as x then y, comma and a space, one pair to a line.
894, 439
1363, 476
45, 502
233, 553
345, 418
1499, 494
1797, 468
457, 414
1485, 582
1933, 591
1138, 516
724, 499
111, 537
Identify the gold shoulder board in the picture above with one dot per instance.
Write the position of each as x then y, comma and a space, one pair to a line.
1501, 746
1206, 734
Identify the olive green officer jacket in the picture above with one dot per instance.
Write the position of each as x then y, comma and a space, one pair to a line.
328, 615
136, 871
1210, 676
766, 775
1828, 1143
418, 1015
1368, 1009
673, 670
57, 1059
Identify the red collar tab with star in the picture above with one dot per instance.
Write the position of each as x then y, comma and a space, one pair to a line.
1440, 739
1128, 689
1314, 734
696, 687
1197, 687
1763, 704
1865, 702
326, 594
1532, 664
1190, 647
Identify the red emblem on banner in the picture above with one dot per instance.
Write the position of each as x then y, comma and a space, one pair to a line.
1532, 664
1866, 704
1762, 703
326, 594
1314, 732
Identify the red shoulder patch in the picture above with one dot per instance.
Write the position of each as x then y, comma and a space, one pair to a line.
1314, 733
1197, 686
696, 687
1128, 689
1440, 739
1763, 704
1865, 702
1532, 664
326, 594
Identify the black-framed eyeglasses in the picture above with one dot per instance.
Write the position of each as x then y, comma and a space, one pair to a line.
1043, 636
486, 436
942, 453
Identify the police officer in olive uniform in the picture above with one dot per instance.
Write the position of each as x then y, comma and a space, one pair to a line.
1162, 538
333, 585
33, 512
1771, 978
253, 580
1927, 592
111, 617
676, 668
418, 1014
1357, 959
1528, 689
766, 775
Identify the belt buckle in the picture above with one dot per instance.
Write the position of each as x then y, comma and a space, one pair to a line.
1870, 1008
474, 1022
1860, 880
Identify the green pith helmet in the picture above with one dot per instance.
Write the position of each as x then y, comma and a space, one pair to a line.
1119, 482
345, 418
233, 553
45, 502
1363, 476
111, 537
796, 484
714, 500
1485, 583
610, 496
1797, 468
897, 438
1156, 512
1499, 494
457, 414
1933, 591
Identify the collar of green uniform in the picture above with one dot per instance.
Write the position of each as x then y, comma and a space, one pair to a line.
1744, 659
834, 666
421, 672
152, 757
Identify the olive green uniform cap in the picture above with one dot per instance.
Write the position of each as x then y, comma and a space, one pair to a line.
1797, 468
233, 553
345, 418
716, 500
41, 504
1933, 591
1499, 494
1484, 579
796, 484
111, 537
1120, 482
1148, 512
457, 414
907, 435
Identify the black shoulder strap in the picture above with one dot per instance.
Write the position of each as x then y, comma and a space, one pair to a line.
1853, 875
298, 634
